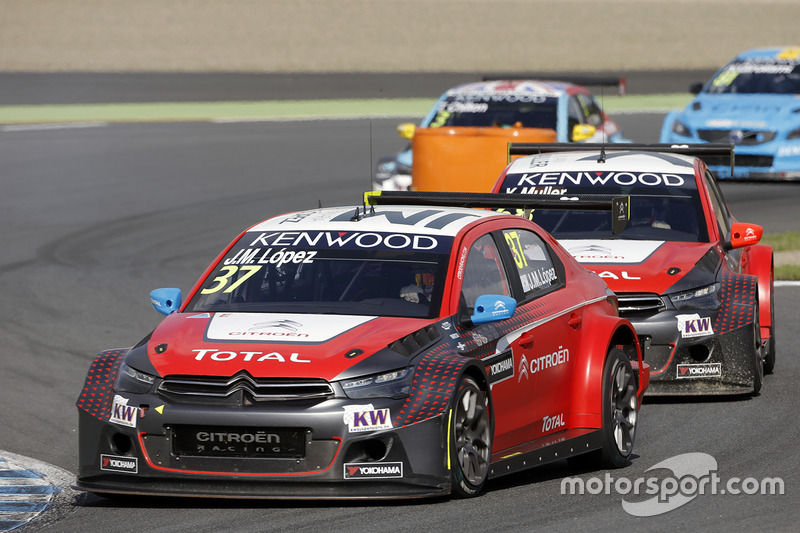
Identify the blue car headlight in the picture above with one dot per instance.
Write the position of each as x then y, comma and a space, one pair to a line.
794, 134
131, 380
702, 298
679, 128
394, 384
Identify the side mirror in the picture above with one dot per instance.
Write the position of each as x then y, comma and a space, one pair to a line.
696, 87
493, 307
406, 130
581, 132
166, 301
744, 234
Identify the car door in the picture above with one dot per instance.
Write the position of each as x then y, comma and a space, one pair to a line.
545, 346
484, 272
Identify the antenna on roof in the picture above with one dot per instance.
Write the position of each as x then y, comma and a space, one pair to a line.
320, 204
602, 158
371, 166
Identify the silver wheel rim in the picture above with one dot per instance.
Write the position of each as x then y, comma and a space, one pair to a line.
623, 409
472, 436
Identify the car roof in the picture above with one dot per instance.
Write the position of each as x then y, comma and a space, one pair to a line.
544, 88
783, 52
423, 220
615, 161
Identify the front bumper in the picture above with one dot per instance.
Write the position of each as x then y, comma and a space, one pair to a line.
337, 463
707, 364
777, 160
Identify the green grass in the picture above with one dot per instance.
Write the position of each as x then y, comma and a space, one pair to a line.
787, 272
784, 242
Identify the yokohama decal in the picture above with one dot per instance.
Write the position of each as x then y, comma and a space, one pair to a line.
372, 470
703, 370
117, 463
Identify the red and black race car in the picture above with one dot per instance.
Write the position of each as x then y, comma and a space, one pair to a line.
367, 352
694, 282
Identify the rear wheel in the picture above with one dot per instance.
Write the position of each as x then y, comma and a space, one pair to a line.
620, 416
471, 440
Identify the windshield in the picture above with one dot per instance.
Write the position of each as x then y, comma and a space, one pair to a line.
664, 213
366, 277
496, 110
755, 76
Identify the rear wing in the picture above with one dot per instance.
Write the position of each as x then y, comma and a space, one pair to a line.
598, 81
619, 206
711, 153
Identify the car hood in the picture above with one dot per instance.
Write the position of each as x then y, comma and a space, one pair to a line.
724, 111
638, 266
275, 345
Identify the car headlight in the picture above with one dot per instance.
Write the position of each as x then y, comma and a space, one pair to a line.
394, 384
679, 128
794, 134
703, 298
131, 380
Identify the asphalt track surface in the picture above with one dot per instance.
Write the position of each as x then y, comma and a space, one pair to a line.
95, 217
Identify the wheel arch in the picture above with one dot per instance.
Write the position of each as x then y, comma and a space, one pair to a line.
762, 265
477, 373
602, 333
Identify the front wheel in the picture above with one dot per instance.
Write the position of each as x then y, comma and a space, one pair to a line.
471, 439
769, 358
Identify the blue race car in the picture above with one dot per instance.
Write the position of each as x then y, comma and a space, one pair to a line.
753, 102
567, 107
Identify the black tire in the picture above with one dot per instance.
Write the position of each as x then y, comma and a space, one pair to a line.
769, 357
620, 415
471, 439
759, 363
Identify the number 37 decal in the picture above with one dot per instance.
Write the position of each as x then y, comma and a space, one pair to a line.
226, 275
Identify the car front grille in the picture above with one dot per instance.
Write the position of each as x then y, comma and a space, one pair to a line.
241, 389
639, 304
742, 137
754, 160
742, 160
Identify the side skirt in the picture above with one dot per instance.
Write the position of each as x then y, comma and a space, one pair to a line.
545, 450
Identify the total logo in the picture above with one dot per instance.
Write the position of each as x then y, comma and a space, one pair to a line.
116, 463
703, 370
549, 423
372, 470
216, 355
622, 275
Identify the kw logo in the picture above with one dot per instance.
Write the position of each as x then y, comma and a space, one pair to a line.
360, 418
